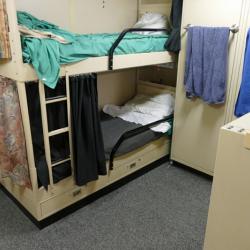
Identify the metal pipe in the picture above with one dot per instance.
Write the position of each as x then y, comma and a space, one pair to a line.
234, 28
119, 39
131, 133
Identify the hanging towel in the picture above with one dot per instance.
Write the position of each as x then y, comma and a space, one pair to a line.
243, 102
173, 43
89, 156
206, 64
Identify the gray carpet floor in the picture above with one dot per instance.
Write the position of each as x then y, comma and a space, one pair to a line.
163, 209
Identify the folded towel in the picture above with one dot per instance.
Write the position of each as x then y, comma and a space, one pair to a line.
243, 102
206, 64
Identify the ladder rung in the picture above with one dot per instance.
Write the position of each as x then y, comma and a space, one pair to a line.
58, 131
60, 162
56, 100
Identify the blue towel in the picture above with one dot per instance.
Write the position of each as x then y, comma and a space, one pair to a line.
206, 64
243, 102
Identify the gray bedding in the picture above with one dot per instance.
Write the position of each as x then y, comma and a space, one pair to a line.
113, 128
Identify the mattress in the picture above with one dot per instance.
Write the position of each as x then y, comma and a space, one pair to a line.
113, 128
47, 55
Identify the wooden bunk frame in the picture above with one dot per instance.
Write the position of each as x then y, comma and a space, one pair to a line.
37, 201
23, 72
41, 203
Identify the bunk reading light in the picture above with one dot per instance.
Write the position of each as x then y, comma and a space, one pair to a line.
234, 28
119, 39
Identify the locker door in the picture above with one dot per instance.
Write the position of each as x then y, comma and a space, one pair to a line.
197, 124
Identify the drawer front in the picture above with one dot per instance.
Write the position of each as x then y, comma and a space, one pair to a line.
59, 202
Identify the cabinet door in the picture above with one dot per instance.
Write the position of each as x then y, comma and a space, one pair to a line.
228, 223
197, 124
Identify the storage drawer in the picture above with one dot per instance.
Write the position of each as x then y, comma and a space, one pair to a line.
136, 160
59, 202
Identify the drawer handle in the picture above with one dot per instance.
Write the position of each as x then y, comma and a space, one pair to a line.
77, 192
132, 165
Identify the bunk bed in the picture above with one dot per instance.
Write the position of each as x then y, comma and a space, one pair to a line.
62, 192
17, 70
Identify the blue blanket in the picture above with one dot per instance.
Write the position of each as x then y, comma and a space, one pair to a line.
243, 103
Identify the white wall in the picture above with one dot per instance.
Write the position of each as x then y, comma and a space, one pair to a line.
47, 10
114, 17
116, 87
84, 16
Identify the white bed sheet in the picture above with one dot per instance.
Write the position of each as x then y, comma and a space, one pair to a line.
144, 109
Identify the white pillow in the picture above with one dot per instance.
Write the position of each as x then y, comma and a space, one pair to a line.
152, 21
159, 106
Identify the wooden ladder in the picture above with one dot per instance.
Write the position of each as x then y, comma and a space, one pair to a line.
44, 102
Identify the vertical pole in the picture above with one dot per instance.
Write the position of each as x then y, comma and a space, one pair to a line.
46, 132
69, 123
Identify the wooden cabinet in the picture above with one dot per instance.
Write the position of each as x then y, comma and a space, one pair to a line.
228, 220
197, 124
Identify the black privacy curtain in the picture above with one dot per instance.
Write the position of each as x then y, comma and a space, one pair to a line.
173, 43
89, 157
37, 134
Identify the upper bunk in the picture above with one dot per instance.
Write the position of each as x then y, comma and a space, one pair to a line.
125, 14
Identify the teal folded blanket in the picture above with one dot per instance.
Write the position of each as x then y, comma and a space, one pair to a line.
46, 55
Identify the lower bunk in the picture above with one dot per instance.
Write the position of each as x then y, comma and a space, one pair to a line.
131, 155
42, 205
